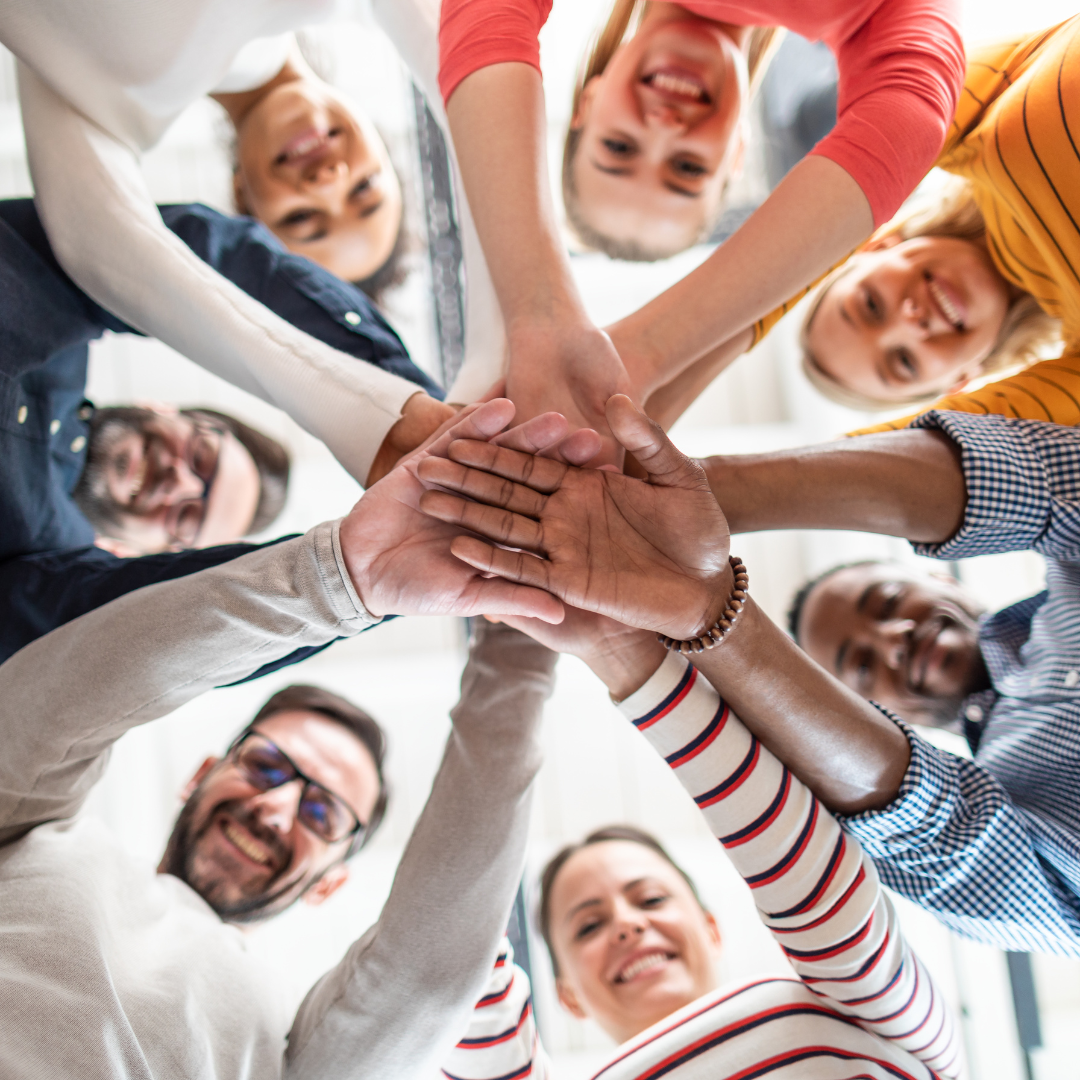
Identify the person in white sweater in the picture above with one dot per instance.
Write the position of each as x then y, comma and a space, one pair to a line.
108, 969
98, 88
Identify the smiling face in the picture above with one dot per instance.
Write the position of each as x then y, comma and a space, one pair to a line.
660, 131
632, 942
166, 480
910, 318
905, 640
246, 851
317, 174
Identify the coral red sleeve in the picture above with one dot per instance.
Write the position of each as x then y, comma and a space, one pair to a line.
900, 80
474, 34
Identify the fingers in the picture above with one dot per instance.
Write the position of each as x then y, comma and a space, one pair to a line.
540, 474
665, 464
535, 435
579, 448
513, 566
501, 526
473, 422
482, 486
517, 600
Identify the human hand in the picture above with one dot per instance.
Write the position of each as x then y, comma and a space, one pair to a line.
649, 554
421, 416
399, 558
569, 367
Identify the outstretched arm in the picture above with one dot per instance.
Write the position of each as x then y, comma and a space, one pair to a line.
399, 1001
654, 555
108, 235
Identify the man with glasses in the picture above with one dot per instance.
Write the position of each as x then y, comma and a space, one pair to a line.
110, 970
135, 481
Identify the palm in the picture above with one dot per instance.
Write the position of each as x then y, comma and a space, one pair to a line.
572, 373
399, 558
651, 555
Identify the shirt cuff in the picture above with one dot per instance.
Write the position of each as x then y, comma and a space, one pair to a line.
1008, 493
343, 596
920, 811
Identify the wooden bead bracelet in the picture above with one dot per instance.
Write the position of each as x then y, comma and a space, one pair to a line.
715, 634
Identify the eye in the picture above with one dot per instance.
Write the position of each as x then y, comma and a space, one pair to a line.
204, 455
903, 365
875, 310
362, 187
588, 927
891, 596
618, 147
297, 217
863, 666
688, 168
654, 901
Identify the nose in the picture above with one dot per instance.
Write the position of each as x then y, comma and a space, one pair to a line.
893, 639
662, 115
628, 923
915, 316
328, 172
179, 482
278, 807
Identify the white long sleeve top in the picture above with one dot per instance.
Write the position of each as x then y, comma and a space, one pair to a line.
863, 1005
110, 970
99, 83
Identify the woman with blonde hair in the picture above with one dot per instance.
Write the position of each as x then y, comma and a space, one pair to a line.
900, 68
980, 279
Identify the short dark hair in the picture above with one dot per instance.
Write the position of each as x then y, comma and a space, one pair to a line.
271, 459
305, 698
798, 601
599, 836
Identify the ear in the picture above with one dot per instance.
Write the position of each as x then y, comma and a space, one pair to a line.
119, 548
585, 100
327, 885
568, 1000
714, 929
880, 243
197, 779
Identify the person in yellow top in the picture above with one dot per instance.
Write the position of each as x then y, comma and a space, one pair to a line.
984, 278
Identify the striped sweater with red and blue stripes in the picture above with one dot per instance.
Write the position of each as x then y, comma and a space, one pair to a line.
862, 1005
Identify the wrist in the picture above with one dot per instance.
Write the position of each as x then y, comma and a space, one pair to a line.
624, 666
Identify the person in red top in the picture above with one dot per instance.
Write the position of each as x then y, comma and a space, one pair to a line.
901, 65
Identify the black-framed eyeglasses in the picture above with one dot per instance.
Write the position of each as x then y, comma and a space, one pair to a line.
185, 519
265, 765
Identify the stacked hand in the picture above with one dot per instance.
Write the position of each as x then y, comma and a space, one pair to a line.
400, 559
649, 554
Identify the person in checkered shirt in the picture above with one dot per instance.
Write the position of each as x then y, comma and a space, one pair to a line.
990, 846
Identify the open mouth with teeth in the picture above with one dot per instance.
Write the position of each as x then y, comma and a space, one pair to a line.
247, 844
679, 85
943, 301
311, 144
641, 965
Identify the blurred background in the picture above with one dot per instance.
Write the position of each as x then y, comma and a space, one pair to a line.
1021, 1018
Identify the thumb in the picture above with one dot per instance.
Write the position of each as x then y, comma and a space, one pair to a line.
666, 465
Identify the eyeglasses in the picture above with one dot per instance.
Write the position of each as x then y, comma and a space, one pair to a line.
265, 766
185, 519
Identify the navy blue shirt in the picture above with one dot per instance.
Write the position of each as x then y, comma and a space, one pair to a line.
49, 571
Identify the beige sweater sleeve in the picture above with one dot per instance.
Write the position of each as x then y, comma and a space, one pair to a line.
67, 697
401, 998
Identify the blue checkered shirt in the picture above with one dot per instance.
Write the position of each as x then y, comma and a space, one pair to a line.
992, 846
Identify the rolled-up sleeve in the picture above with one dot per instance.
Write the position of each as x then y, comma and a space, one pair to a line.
1023, 486
953, 842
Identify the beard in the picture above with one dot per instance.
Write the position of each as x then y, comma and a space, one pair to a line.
181, 860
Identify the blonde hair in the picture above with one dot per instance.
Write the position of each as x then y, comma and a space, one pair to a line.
1026, 331
623, 21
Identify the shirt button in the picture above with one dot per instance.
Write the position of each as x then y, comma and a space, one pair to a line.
86, 412
352, 318
54, 427
974, 713
78, 443
1072, 678
22, 414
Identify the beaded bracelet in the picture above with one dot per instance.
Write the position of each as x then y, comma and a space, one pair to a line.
715, 634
